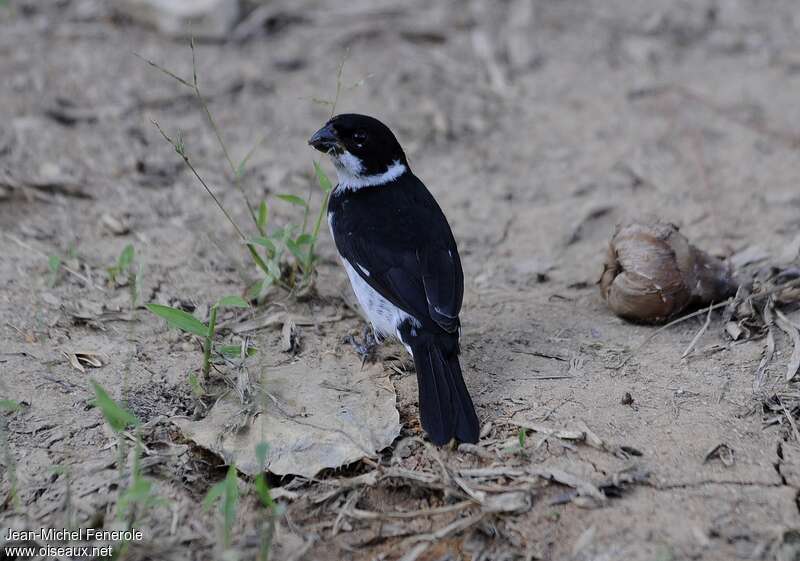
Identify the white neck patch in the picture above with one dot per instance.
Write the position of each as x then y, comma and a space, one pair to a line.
349, 168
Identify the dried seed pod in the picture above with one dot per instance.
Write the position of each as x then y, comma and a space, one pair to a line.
652, 273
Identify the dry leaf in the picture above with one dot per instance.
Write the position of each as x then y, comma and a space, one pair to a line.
78, 359
313, 415
789, 328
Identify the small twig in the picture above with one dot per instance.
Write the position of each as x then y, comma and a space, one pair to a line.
664, 328
699, 334
349, 506
164, 70
217, 132
179, 148
429, 539
539, 354
339, 82
788, 327
769, 351
791, 421
208, 344
370, 515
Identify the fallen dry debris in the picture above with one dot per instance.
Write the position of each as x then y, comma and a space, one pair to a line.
745, 317
481, 496
792, 331
652, 273
757, 314
698, 335
81, 359
582, 434
723, 452
613, 487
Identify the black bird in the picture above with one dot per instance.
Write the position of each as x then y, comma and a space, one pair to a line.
403, 264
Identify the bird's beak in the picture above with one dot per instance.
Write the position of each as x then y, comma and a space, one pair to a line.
324, 139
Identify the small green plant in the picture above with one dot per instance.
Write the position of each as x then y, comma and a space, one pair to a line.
187, 323
522, 436
226, 495
262, 490
139, 496
300, 240
9, 406
124, 270
122, 266
53, 268
118, 419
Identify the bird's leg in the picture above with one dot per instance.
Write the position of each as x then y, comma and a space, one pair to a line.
366, 347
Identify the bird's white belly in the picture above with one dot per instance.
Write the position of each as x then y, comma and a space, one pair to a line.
382, 314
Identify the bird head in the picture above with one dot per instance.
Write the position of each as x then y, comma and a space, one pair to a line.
360, 147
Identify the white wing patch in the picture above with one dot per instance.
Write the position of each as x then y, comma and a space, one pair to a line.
384, 316
363, 270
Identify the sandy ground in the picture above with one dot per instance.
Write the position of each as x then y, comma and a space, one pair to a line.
537, 130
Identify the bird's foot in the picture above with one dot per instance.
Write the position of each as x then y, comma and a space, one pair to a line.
366, 347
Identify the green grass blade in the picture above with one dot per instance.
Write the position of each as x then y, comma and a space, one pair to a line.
274, 269
232, 302
262, 449
125, 258
8, 405
54, 266
322, 178
295, 250
180, 319
230, 501
293, 199
263, 216
213, 494
235, 351
116, 416
263, 242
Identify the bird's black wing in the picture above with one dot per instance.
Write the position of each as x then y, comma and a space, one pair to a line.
398, 240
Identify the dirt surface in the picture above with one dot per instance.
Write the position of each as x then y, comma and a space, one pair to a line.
537, 130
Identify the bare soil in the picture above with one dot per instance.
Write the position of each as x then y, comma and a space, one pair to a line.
537, 130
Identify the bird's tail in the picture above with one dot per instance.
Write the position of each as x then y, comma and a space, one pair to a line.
445, 407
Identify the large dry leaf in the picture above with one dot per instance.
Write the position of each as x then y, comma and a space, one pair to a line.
314, 416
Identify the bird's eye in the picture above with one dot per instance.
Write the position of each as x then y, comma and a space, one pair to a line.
360, 136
